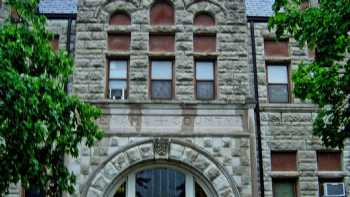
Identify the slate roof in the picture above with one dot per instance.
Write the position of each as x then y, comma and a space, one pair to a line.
259, 7
58, 6
253, 7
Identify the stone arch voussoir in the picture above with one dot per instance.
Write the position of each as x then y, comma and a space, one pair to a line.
165, 149
214, 8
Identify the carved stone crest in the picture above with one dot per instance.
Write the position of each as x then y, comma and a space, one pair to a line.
161, 147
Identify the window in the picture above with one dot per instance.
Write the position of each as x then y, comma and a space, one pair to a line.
162, 42
33, 192
204, 43
203, 19
161, 79
283, 161
329, 161
120, 19
276, 48
278, 83
55, 42
119, 42
284, 188
162, 13
118, 79
205, 80
335, 185
163, 182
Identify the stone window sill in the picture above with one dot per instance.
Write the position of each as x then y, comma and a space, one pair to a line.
277, 59
284, 174
331, 174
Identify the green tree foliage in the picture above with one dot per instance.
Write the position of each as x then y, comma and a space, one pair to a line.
39, 122
326, 80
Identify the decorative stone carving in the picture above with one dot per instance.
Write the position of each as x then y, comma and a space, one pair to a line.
161, 147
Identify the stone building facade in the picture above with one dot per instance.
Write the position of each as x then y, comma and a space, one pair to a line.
211, 141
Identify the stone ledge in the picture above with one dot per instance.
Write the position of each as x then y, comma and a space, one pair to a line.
170, 104
288, 107
177, 134
284, 174
277, 59
331, 174
111, 54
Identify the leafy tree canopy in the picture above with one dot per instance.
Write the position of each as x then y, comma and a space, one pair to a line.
39, 122
326, 80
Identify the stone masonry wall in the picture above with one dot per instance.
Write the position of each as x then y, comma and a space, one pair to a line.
225, 133
4, 12
91, 48
233, 154
288, 127
222, 128
60, 27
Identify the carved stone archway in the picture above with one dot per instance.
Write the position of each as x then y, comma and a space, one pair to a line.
160, 149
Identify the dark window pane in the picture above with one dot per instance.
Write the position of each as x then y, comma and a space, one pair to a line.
162, 14
161, 89
199, 191
283, 161
205, 90
283, 189
34, 192
278, 93
204, 19
160, 182
121, 191
329, 161
120, 19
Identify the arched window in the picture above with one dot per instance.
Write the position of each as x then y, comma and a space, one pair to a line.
160, 181
162, 13
203, 19
120, 18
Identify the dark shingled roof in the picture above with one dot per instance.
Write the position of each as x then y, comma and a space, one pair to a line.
254, 7
259, 7
58, 6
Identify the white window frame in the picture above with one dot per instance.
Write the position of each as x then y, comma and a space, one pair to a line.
190, 181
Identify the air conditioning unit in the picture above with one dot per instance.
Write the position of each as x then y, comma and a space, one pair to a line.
117, 94
334, 189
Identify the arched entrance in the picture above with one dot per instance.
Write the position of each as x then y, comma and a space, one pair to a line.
160, 178
150, 158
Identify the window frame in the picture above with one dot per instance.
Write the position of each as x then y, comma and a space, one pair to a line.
198, 23
170, 4
190, 181
108, 79
339, 153
214, 61
285, 153
322, 181
293, 181
288, 84
172, 81
120, 13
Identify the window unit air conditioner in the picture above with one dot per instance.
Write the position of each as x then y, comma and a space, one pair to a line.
334, 190
117, 94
